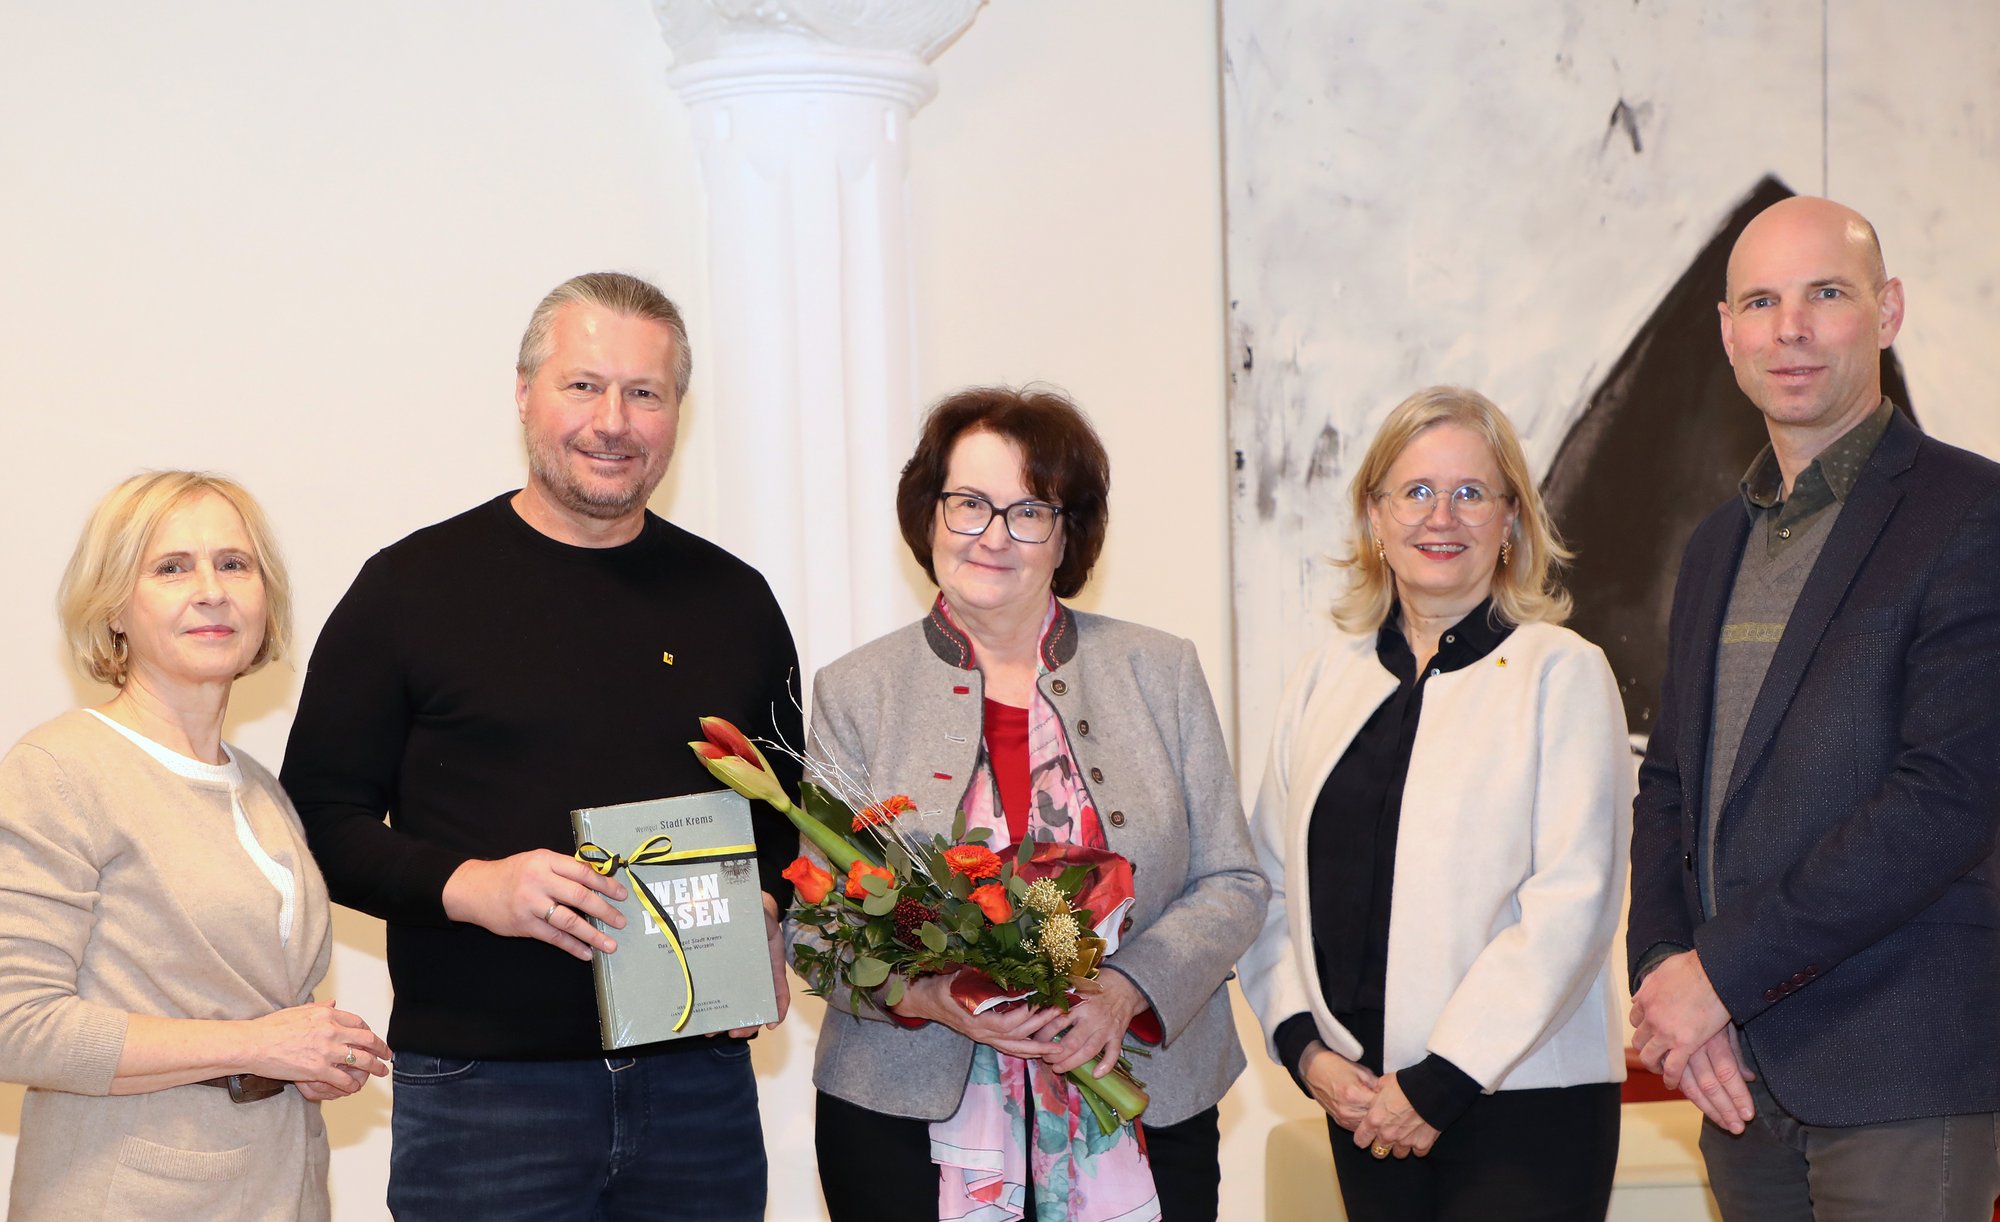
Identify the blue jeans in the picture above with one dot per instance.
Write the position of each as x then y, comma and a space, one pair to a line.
672, 1135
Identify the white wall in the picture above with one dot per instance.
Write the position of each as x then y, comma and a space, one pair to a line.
297, 244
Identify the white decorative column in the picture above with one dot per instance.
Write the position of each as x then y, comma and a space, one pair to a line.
801, 109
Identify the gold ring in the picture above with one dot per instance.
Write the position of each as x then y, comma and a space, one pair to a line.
1379, 1150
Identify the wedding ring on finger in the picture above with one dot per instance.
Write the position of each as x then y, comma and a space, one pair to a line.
1379, 1150
550, 915
350, 1054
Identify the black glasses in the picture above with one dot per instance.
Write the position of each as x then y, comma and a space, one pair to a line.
1472, 504
968, 513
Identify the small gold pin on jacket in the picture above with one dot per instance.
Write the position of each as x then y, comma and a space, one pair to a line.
1501, 662
667, 658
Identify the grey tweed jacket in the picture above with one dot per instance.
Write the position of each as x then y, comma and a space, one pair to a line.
907, 710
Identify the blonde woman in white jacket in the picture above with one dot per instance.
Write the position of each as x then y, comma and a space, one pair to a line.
1444, 821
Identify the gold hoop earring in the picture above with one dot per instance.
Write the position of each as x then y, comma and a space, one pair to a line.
1505, 547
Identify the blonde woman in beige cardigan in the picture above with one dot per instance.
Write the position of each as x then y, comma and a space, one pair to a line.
162, 925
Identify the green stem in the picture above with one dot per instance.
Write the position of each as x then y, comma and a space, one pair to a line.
839, 851
1116, 1090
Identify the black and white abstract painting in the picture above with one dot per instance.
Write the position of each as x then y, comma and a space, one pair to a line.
1535, 199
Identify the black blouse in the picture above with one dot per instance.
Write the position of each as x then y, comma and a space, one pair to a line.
1351, 865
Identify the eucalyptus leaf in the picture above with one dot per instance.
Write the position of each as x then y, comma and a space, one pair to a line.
1024, 853
958, 826
879, 904
893, 995
979, 835
866, 973
932, 937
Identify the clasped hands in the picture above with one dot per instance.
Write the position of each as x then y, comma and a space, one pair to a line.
1373, 1108
1684, 1033
1061, 1040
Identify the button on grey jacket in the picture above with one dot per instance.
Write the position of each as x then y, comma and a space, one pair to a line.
906, 711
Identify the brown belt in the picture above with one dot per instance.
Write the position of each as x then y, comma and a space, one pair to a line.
247, 1087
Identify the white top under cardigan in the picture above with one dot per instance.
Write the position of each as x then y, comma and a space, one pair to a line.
229, 774
1510, 860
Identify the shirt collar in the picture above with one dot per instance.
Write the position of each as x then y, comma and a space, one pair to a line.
949, 642
1462, 644
1837, 467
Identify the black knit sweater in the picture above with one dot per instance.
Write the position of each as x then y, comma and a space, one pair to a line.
478, 682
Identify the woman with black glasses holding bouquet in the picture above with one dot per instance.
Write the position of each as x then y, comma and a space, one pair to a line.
1038, 722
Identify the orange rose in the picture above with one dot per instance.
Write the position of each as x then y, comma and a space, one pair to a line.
974, 861
992, 900
861, 870
812, 882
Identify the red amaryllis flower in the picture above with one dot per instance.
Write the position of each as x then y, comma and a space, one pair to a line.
883, 811
735, 761
992, 900
974, 861
812, 882
860, 870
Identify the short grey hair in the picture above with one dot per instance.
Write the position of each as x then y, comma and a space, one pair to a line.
619, 293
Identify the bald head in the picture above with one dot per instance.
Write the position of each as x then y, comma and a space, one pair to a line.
1807, 313
1808, 218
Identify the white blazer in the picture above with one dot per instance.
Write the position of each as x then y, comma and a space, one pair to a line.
1510, 861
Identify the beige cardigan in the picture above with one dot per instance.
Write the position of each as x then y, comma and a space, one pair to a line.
123, 889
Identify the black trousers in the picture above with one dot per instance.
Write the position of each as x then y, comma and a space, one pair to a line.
874, 1167
1515, 1156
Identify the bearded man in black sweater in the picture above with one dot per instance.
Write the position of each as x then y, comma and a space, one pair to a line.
548, 650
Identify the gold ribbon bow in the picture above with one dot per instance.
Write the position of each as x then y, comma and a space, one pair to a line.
658, 851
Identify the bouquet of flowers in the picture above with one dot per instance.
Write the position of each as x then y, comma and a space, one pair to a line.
1032, 925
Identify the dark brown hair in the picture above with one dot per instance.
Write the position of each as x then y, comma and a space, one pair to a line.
1065, 465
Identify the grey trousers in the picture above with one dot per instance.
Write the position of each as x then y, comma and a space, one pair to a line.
1783, 1170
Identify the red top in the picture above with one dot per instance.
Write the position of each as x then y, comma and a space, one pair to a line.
1007, 750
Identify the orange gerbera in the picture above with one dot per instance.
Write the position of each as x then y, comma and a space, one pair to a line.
883, 811
860, 870
974, 861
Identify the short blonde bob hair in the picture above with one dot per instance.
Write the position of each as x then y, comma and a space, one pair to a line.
104, 569
1525, 589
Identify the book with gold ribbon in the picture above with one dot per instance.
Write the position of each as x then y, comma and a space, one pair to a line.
692, 958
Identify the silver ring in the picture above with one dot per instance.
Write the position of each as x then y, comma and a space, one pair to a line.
549, 916
350, 1054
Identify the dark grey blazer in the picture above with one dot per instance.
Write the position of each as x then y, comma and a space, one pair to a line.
1857, 930
1144, 732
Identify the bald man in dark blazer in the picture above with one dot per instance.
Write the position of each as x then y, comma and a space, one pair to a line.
1815, 926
